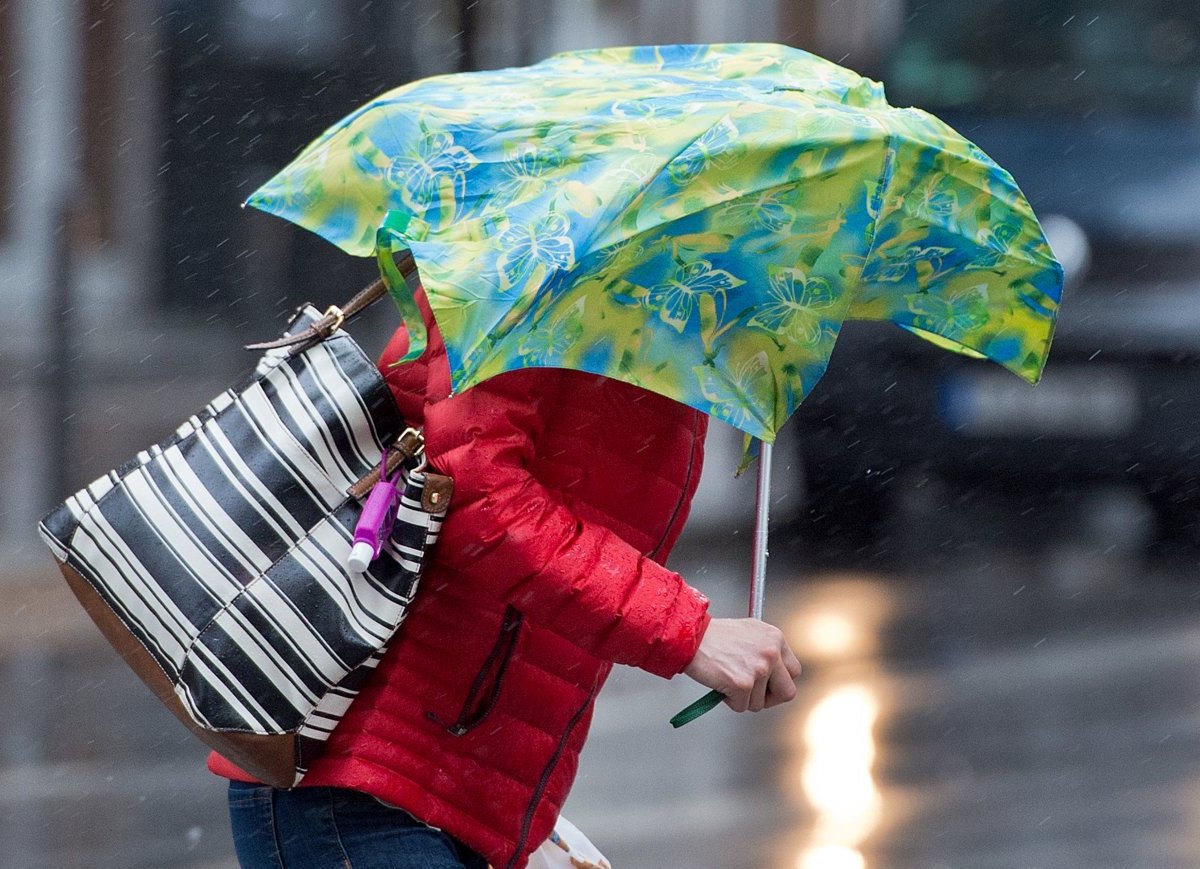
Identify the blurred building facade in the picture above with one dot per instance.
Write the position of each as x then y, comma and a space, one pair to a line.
131, 131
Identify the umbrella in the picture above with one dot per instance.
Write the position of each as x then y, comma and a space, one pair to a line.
696, 220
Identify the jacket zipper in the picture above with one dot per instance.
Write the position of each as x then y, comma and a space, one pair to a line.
687, 482
485, 690
544, 781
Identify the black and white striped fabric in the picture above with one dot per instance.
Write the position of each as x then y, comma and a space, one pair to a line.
223, 549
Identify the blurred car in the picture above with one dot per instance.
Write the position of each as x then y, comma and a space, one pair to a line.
1098, 119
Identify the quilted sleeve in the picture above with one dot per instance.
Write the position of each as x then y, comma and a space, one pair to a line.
519, 538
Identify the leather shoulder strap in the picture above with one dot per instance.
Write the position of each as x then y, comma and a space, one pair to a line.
335, 316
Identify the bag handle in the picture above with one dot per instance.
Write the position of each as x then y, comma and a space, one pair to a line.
411, 443
335, 316
408, 446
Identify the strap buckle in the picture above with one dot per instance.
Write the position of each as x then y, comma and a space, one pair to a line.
339, 317
411, 445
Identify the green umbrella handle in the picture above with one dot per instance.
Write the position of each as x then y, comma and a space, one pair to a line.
388, 239
707, 703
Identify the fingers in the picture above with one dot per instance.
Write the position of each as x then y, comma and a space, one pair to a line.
781, 687
738, 701
773, 684
791, 662
747, 690
758, 695
748, 661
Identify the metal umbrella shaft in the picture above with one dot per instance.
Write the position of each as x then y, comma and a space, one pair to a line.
762, 510
758, 576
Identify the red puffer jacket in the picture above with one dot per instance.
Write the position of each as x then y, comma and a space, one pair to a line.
570, 490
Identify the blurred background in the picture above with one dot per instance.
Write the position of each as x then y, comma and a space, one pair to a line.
993, 588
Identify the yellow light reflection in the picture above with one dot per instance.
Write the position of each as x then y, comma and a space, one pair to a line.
838, 621
831, 857
830, 634
836, 777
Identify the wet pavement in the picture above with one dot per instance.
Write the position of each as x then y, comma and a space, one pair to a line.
1024, 702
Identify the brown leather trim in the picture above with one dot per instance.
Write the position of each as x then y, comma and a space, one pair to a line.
270, 759
439, 489
363, 487
408, 445
328, 324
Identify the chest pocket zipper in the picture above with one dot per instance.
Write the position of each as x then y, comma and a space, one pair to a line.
486, 688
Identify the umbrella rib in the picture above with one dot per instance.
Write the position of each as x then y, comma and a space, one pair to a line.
758, 191
881, 188
649, 182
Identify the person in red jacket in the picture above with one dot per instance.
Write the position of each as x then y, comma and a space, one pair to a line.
570, 490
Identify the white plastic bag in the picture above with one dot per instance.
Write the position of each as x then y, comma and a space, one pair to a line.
567, 848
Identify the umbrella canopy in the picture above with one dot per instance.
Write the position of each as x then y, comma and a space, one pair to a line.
696, 220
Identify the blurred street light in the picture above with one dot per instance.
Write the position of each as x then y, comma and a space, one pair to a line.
836, 777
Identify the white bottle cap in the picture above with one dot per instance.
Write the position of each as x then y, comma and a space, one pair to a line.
360, 557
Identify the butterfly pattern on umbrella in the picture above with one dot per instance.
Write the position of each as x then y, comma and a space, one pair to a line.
737, 203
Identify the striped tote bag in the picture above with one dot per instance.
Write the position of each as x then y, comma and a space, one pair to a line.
215, 561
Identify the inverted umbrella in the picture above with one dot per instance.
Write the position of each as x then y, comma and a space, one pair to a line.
696, 220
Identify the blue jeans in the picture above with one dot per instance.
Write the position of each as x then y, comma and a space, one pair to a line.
335, 828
